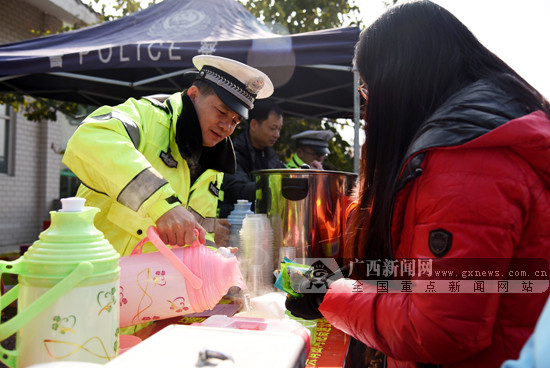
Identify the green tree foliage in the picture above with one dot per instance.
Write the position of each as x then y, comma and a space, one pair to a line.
113, 9
39, 109
297, 16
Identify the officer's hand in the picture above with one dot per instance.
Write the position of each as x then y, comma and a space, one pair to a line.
221, 233
177, 227
316, 165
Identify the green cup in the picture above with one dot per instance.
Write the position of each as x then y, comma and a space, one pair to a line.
310, 324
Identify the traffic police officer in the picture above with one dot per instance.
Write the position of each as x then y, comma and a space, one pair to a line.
160, 161
311, 149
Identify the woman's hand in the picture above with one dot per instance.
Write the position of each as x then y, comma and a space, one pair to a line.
306, 307
314, 291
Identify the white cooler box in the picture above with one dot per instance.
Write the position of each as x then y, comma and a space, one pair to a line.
182, 346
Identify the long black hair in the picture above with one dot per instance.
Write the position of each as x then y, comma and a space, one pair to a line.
414, 57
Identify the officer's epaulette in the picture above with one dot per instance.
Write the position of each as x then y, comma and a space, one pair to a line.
158, 101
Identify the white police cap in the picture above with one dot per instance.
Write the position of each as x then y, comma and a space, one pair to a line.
316, 139
235, 83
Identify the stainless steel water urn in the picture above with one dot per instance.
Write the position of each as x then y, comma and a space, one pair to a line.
306, 209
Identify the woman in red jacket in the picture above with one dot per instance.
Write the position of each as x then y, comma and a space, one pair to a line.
456, 165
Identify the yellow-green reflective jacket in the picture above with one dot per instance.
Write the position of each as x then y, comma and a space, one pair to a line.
121, 155
295, 162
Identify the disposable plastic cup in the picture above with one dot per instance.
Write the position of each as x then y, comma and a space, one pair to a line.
311, 325
255, 280
288, 252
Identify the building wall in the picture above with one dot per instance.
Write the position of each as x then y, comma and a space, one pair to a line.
31, 189
18, 19
29, 194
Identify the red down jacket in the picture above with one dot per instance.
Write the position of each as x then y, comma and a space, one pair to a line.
482, 174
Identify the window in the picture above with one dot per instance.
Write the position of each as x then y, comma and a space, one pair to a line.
68, 184
6, 125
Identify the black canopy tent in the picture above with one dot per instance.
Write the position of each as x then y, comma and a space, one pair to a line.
150, 52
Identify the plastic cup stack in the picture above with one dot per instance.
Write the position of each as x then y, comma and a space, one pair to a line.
256, 254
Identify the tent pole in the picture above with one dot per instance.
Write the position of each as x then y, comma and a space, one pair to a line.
356, 123
341, 68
